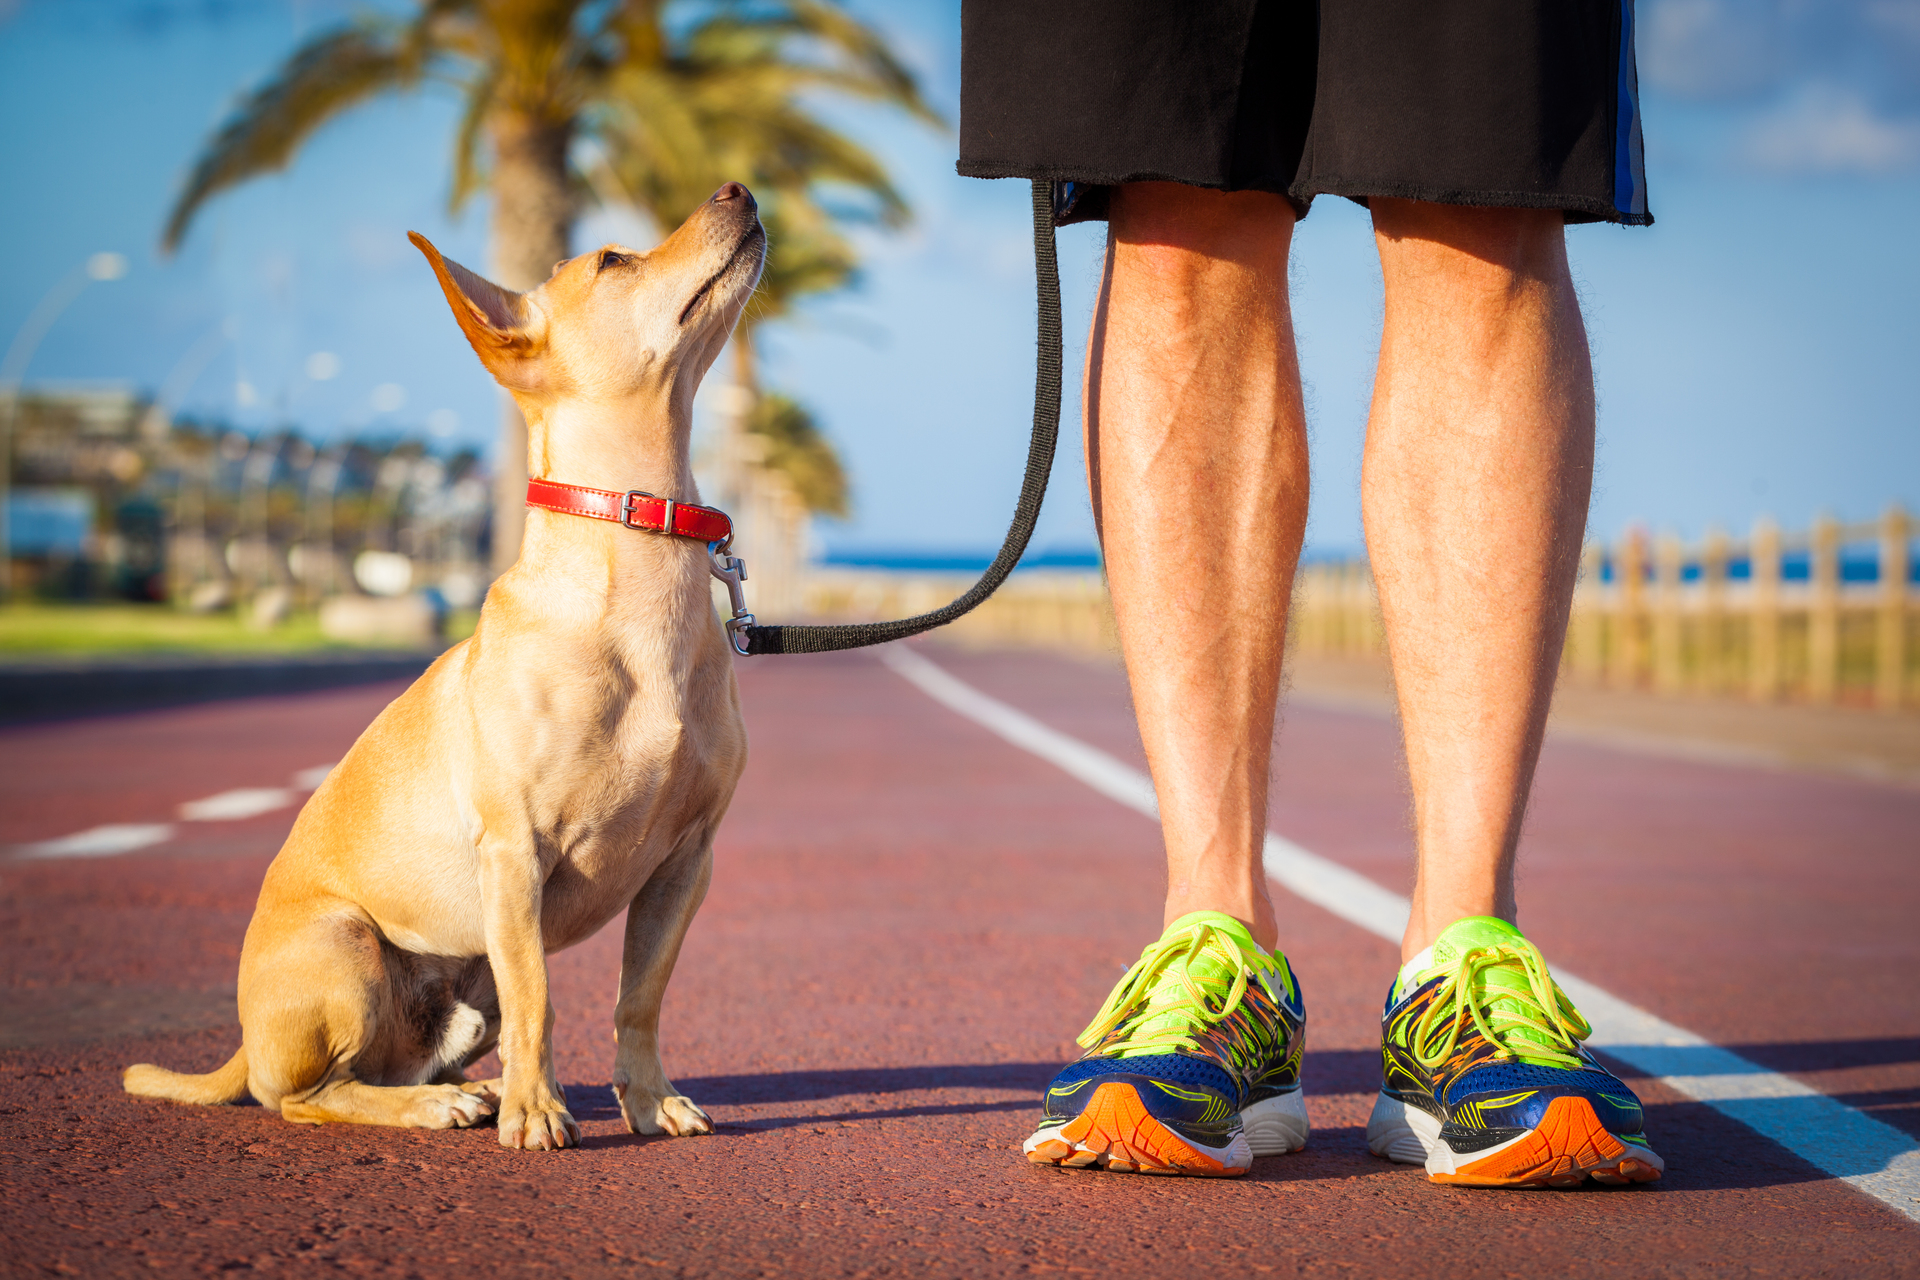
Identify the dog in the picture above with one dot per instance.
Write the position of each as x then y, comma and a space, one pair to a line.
570, 760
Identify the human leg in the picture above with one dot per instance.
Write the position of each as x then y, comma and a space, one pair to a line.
1478, 467
1197, 462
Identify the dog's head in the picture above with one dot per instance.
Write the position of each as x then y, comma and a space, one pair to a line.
616, 323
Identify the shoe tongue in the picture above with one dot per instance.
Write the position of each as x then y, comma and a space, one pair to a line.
1475, 932
1221, 921
1465, 935
1168, 1006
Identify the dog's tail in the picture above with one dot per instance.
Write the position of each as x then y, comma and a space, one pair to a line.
228, 1084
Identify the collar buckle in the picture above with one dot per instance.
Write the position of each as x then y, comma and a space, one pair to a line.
628, 509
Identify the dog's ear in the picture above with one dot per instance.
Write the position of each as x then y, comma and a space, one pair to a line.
504, 330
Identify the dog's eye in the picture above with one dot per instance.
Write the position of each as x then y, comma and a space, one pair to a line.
608, 258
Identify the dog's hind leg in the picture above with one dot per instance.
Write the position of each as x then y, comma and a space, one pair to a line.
656, 923
326, 1039
488, 1090
419, 1106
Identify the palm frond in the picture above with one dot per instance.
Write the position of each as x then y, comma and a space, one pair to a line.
542, 56
858, 55
805, 255
676, 132
787, 148
467, 175
323, 78
796, 448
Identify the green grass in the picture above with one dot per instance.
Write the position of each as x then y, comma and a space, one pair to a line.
105, 630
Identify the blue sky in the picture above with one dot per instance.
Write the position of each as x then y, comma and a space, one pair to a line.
1758, 351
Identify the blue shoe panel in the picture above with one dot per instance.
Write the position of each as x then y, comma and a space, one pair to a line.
1174, 1068
1505, 1077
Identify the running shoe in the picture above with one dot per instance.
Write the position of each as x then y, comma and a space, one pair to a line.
1192, 1065
1487, 1082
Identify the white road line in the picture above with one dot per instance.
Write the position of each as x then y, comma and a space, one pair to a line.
1851, 1145
127, 837
244, 802
101, 842
310, 779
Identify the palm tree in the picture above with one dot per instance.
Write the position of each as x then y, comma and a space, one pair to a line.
793, 446
674, 108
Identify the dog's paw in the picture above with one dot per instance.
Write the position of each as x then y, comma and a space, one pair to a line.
451, 1107
676, 1117
681, 1118
539, 1126
491, 1090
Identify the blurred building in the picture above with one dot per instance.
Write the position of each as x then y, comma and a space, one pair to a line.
80, 519
110, 498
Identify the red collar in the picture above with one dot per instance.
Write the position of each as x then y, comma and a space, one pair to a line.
634, 509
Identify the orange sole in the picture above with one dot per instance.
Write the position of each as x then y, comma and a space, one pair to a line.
1116, 1132
1569, 1146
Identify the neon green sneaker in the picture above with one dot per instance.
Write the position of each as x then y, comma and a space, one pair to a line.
1192, 1065
1487, 1082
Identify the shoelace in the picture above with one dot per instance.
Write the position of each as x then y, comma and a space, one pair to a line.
1133, 995
1543, 1008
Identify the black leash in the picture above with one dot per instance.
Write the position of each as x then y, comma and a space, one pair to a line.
1046, 433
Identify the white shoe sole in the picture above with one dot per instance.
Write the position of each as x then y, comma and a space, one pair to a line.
1277, 1125
1404, 1133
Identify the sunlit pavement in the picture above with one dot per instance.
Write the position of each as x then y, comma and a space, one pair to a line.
910, 919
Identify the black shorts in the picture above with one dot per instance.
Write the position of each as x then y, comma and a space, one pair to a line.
1513, 103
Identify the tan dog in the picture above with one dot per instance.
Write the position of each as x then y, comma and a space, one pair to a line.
569, 761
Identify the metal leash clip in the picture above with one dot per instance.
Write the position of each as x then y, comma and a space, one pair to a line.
732, 570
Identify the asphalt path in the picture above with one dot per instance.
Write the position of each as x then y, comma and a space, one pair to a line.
909, 921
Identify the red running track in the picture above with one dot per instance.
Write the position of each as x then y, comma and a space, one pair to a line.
909, 921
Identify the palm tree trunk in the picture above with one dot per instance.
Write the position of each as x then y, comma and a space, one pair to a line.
531, 230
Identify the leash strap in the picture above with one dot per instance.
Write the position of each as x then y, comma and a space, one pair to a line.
1046, 433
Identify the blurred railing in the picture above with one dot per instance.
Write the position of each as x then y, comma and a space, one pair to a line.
1821, 616
1038, 608
1824, 615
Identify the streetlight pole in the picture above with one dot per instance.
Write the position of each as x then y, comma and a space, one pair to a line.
13, 368
323, 485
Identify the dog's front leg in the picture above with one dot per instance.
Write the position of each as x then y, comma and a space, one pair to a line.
533, 1111
656, 923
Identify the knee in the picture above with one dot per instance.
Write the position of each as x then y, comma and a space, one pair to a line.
1184, 236
293, 1054
311, 999
1496, 252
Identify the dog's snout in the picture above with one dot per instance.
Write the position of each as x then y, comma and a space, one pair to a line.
734, 191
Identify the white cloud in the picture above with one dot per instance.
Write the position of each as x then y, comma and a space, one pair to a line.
1830, 129
1711, 49
1736, 51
